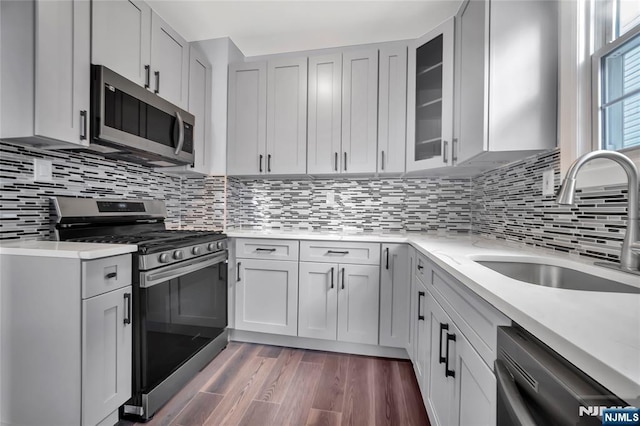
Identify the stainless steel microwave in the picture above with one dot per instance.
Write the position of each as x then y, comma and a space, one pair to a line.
132, 123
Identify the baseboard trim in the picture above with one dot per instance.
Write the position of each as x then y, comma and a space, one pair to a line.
317, 344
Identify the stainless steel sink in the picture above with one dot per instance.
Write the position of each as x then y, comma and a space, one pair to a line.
557, 276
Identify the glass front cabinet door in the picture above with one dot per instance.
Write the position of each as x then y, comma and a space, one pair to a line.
430, 100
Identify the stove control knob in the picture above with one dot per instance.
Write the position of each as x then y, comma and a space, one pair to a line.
163, 258
177, 255
219, 245
211, 247
196, 251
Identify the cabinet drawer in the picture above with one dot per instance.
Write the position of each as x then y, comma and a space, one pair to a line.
339, 252
102, 275
422, 267
267, 249
475, 318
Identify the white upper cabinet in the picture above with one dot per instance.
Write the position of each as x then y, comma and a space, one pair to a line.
46, 100
430, 99
200, 92
132, 40
121, 38
247, 116
359, 111
392, 110
325, 117
287, 116
505, 97
169, 63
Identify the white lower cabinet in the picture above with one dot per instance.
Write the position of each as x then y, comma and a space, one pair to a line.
422, 337
267, 296
394, 296
339, 302
106, 359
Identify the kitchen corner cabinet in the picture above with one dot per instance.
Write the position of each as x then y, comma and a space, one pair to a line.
430, 99
506, 97
200, 92
395, 298
392, 110
46, 51
66, 339
266, 287
132, 40
268, 117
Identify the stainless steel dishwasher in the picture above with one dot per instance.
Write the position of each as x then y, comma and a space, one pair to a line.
536, 386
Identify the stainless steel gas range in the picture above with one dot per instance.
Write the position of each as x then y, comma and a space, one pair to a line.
179, 301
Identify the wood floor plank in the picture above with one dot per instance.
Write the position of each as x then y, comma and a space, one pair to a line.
388, 393
314, 356
198, 410
260, 413
225, 379
170, 410
323, 418
277, 384
358, 406
416, 413
330, 392
241, 392
296, 406
270, 351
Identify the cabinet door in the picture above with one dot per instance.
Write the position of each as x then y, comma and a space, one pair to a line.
169, 63
267, 296
394, 296
106, 354
287, 116
359, 111
318, 306
247, 118
413, 315
443, 353
392, 110
423, 336
430, 99
121, 38
358, 297
63, 70
200, 106
471, 81
325, 117
475, 387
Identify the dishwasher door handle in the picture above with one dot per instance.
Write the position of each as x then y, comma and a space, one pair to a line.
507, 389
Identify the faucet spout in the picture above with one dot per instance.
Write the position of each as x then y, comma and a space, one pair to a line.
629, 257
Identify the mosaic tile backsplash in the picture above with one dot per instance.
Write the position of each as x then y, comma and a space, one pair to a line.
361, 205
24, 204
508, 204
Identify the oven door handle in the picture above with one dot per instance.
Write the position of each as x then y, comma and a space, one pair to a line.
151, 278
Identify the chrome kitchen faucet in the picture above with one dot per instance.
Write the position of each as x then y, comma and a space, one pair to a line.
630, 252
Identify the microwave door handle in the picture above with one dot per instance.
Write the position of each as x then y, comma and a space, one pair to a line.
180, 133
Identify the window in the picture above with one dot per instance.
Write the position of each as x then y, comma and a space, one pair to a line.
617, 73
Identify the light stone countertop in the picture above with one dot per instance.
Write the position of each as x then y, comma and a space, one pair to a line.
84, 251
598, 332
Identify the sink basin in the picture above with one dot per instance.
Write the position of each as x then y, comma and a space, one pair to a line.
557, 276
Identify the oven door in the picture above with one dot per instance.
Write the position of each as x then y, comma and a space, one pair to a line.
183, 307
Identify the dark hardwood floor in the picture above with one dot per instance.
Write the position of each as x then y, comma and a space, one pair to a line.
250, 384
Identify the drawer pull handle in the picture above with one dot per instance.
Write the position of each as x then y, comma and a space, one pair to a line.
420, 315
447, 372
111, 275
443, 327
337, 252
270, 250
420, 267
127, 298
332, 269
